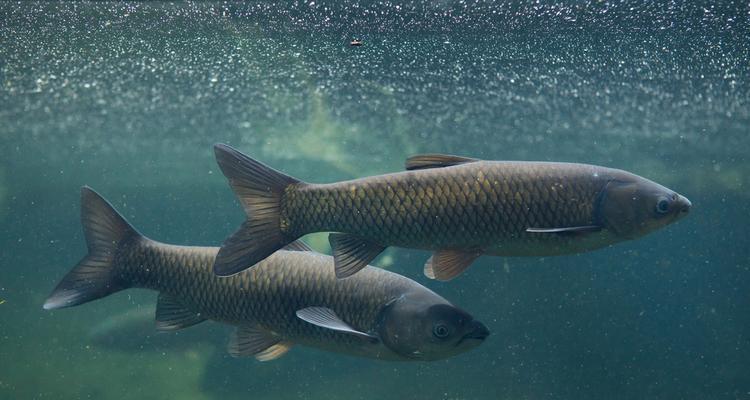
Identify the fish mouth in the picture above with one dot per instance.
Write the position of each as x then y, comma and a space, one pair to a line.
479, 332
685, 204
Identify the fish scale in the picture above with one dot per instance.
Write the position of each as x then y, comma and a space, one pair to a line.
267, 295
479, 204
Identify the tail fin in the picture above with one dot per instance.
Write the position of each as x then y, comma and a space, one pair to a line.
259, 189
94, 276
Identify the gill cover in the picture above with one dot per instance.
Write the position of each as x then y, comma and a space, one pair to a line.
616, 208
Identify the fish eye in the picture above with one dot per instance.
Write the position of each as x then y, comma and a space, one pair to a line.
662, 206
440, 331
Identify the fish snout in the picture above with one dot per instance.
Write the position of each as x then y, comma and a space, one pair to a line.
683, 205
477, 331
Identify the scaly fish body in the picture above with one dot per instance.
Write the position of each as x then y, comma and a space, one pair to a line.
269, 295
483, 204
292, 297
459, 207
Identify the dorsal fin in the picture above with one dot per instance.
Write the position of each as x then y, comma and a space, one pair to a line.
425, 161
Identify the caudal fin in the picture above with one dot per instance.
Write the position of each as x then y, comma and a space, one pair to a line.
94, 276
260, 189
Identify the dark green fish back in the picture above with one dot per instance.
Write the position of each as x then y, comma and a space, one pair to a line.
267, 295
474, 204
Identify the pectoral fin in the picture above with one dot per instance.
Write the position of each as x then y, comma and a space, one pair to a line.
250, 341
327, 318
171, 315
445, 265
573, 230
351, 253
426, 161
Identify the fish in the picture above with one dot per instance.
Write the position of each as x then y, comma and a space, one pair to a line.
291, 298
459, 208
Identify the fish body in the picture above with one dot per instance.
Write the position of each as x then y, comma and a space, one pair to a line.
269, 296
292, 297
461, 208
487, 205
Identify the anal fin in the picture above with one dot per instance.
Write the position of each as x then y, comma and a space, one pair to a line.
171, 315
351, 253
274, 352
445, 265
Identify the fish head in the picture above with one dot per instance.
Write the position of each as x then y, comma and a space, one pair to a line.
632, 206
424, 326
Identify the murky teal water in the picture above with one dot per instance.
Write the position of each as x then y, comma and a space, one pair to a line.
129, 97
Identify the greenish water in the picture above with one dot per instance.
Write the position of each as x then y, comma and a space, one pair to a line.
129, 97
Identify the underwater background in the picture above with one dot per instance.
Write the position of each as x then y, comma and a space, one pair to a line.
129, 97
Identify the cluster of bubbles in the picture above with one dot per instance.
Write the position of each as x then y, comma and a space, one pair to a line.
604, 82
